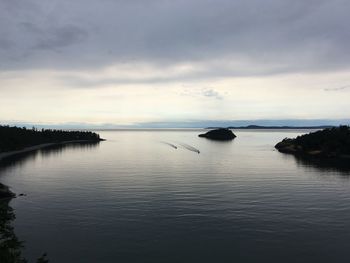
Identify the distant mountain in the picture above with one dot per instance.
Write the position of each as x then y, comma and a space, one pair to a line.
255, 127
196, 124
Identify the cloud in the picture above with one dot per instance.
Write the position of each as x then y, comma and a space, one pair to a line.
212, 94
53, 38
338, 88
232, 38
200, 93
5, 44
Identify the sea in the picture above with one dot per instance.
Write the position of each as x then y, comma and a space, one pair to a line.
171, 196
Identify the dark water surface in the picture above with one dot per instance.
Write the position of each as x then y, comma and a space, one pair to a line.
135, 198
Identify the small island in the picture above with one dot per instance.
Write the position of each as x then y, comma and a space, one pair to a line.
221, 134
328, 143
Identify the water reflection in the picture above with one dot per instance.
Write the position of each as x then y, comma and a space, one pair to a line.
54, 150
10, 245
59, 148
135, 200
325, 164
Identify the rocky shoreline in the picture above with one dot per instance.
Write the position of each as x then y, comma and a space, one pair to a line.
5, 192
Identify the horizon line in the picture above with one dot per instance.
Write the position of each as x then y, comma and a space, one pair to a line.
189, 124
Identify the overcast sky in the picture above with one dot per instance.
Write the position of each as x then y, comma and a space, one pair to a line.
151, 61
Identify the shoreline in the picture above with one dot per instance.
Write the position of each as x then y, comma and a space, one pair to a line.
4, 155
293, 150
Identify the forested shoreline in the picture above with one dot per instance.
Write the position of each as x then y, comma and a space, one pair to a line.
333, 142
17, 138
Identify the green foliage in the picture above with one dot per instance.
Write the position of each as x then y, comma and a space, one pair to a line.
16, 138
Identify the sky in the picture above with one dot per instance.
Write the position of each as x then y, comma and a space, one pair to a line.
138, 63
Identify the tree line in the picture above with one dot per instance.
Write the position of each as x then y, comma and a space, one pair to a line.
15, 138
336, 140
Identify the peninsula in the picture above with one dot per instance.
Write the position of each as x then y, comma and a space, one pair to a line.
17, 139
327, 143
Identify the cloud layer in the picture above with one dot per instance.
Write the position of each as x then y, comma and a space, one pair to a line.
127, 62
243, 37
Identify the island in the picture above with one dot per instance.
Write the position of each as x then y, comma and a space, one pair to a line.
221, 134
327, 143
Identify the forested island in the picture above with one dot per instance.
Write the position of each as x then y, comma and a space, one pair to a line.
328, 143
221, 134
16, 138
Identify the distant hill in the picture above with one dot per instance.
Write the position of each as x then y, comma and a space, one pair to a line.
256, 127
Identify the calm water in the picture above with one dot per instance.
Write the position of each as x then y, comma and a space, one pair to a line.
136, 199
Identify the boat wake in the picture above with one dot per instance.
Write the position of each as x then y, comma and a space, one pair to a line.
170, 144
189, 147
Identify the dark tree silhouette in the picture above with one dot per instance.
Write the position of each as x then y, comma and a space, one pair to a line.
331, 142
16, 138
